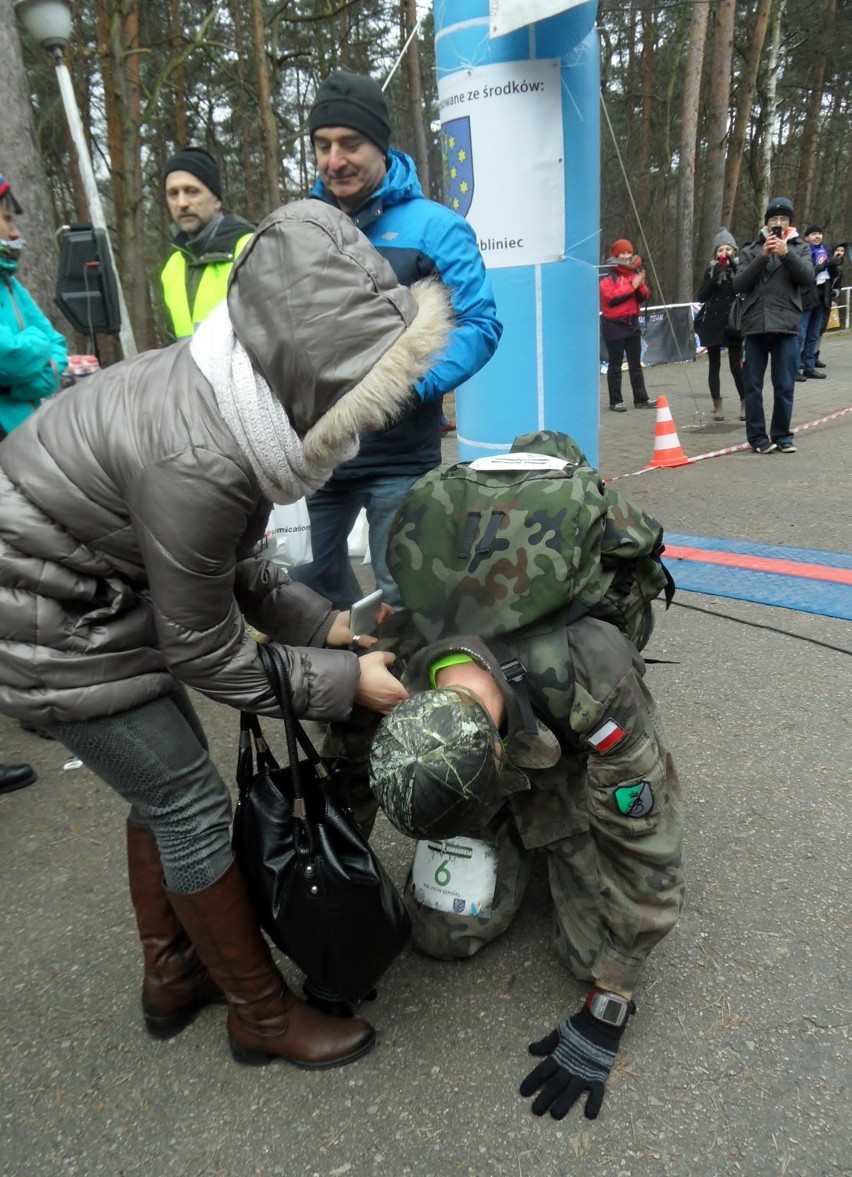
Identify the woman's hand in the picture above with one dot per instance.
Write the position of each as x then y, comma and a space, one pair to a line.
378, 690
340, 635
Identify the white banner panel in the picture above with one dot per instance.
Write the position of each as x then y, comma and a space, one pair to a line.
508, 15
501, 139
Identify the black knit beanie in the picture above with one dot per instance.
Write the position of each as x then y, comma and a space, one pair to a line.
779, 206
198, 163
352, 100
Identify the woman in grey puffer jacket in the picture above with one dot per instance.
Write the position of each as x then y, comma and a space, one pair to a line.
129, 509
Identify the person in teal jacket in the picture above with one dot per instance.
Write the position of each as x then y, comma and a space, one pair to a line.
33, 355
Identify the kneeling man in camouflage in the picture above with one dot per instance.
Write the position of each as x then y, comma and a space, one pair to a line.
590, 784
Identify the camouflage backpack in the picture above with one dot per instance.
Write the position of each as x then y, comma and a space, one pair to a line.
490, 546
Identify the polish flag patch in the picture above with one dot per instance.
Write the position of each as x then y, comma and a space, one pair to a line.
607, 736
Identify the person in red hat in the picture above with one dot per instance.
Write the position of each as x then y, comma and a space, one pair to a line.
623, 290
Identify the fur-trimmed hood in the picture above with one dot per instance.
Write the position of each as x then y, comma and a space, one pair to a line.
325, 322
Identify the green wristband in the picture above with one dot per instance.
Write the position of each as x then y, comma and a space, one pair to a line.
442, 663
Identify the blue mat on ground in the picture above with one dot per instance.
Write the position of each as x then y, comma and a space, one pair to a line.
806, 594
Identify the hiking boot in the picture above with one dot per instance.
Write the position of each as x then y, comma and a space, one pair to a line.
765, 447
812, 374
619, 408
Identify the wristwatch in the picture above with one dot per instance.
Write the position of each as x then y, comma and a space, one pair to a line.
610, 1008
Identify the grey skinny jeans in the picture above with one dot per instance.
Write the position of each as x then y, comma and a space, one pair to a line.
155, 756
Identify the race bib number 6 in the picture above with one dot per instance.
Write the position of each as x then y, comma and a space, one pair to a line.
457, 876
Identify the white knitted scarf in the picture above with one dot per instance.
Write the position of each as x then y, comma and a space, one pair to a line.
254, 414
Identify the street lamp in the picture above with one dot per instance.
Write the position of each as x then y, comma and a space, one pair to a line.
49, 23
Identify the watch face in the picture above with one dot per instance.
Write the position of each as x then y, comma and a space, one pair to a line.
612, 1011
609, 1009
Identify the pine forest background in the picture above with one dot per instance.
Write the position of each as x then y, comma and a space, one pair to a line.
710, 107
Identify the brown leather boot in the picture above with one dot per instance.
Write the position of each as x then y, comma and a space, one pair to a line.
176, 983
265, 1020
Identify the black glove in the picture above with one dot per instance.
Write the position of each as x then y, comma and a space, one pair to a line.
580, 1053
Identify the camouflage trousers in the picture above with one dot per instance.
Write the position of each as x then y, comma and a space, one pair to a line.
609, 825
616, 878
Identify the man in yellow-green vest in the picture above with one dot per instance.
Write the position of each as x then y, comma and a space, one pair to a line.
206, 241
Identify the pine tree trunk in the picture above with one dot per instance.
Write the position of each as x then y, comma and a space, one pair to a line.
689, 136
767, 114
268, 126
745, 98
717, 123
805, 194
420, 149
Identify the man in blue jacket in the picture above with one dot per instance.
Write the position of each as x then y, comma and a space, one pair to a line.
377, 186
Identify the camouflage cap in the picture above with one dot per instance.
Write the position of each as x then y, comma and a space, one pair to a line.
435, 763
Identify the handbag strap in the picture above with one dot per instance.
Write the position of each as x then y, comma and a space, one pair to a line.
251, 739
276, 673
279, 680
280, 676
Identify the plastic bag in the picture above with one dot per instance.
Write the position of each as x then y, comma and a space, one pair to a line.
358, 544
289, 534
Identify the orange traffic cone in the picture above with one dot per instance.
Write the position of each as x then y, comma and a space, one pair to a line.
667, 447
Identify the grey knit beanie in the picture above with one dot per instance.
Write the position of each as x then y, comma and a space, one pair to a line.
723, 237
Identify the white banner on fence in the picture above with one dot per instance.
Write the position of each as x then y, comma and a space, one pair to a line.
508, 15
501, 139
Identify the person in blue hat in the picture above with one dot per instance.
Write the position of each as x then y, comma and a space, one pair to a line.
33, 355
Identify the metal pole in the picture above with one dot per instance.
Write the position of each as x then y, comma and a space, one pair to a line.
93, 197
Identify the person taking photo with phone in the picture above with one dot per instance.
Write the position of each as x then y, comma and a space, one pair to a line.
774, 270
623, 290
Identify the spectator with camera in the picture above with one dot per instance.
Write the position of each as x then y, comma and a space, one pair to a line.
716, 293
774, 270
813, 299
623, 290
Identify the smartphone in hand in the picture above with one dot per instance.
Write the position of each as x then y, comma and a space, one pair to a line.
362, 615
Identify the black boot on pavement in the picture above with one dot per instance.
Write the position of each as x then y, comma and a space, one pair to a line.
15, 776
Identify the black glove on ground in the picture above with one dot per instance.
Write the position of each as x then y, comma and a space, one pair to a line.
580, 1053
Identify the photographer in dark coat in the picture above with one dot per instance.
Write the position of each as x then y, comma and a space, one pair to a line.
773, 272
716, 292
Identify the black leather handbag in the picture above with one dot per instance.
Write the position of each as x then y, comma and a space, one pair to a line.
319, 891
734, 325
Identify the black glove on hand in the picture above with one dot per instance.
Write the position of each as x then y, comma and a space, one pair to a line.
580, 1053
